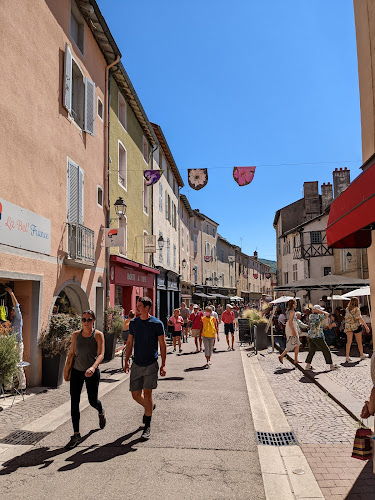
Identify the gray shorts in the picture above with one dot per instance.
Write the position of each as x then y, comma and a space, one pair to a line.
143, 377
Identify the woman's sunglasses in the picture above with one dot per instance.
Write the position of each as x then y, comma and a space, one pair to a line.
89, 320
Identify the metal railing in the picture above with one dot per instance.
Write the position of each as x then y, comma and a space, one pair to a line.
81, 243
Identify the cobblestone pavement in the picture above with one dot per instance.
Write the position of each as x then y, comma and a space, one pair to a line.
324, 430
43, 400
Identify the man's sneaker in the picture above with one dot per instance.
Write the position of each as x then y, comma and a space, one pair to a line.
348, 360
180, 350
146, 433
364, 357
229, 348
102, 419
74, 441
334, 367
308, 367
174, 350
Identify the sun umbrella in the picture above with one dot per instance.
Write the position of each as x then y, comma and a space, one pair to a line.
283, 298
358, 292
337, 297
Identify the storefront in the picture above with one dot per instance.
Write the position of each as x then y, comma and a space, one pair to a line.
130, 280
168, 294
186, 293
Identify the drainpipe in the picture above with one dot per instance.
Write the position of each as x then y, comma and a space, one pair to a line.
152, 209
106, 166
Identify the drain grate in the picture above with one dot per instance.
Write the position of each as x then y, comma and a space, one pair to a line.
168, 395
276, 438
23, 437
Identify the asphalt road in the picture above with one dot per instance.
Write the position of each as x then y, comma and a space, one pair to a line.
202, 443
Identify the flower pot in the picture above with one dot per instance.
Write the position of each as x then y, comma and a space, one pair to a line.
110, 346
53, 370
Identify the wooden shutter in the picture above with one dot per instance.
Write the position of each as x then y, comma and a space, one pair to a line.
89, 123
80, 195
75, 193
67, 89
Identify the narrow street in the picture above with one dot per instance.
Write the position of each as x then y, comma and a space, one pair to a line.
202, 443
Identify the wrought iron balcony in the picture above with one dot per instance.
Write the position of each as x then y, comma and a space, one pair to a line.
81, 245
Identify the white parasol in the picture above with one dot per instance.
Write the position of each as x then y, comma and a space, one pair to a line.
337, 297
358, 292
283, 298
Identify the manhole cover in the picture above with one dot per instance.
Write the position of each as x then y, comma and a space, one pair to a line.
276, 438
168, 395
23, 437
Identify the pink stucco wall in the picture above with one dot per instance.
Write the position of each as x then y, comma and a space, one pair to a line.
37, 137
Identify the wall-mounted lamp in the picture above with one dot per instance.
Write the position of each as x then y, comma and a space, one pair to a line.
349, 256
161, 242
184, 263
120, 208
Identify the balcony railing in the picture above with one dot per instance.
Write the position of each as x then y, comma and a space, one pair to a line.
81, 243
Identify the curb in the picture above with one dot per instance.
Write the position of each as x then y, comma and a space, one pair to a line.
318, 384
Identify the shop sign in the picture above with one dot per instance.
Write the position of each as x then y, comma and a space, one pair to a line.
161, 281
114, 237
127, 276
149, 243
172, 285
22, 228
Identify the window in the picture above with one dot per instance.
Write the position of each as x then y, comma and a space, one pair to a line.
182, 238
214, 256
208, 229
295, 272
75, 193
213, 231
100, 108
195, 223
145, 196
344, 260
122, 110
195, 271
169, 209
174, 256
145, 254
166, 205
294, 242
160, 197
222, 280
286, 278
122, 223
172, 213
100, 196
327, 271
222, 255
316, 237
122, 165
195, 243
77, 27
160, 249
78, 94
175, 216
145, 149
168, 252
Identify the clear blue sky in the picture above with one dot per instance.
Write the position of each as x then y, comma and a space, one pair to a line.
246, 82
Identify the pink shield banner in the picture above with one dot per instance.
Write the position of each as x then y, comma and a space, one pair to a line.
243, 175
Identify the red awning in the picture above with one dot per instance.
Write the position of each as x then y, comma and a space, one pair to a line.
353, 212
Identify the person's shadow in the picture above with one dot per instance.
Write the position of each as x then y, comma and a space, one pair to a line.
95, 453
37, 456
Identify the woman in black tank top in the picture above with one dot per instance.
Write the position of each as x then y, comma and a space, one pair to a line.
87, 349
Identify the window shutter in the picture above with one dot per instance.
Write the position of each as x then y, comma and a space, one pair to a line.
89, 106
166, 204
73, 183
80, 195
67, 90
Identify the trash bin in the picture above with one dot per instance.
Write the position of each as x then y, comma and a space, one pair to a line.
262, 339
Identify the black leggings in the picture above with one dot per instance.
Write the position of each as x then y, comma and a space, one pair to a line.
77, 379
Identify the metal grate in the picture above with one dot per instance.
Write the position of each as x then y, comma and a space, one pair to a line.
23, 437
276, 438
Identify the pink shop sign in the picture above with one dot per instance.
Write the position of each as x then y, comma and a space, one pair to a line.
24, 229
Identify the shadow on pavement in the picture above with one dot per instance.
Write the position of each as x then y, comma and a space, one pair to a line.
95, 453
111, 372
364, 485
280, 371
171, 378
37, 456
186, 353
195, 368
109, 380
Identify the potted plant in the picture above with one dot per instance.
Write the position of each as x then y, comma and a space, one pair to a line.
55, 343
255, 319
9, 357
113, 330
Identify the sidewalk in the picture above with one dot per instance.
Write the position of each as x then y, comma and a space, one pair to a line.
324, 428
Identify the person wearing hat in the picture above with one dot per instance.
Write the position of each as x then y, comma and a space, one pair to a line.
316, 337
195, 320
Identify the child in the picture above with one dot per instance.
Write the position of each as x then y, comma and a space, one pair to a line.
176, 321
208, 331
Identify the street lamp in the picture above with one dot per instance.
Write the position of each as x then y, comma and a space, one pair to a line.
349, 257
161, 242
120, 207
184, 263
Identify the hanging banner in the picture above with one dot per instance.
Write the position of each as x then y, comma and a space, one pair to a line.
114, 237
152, 176
243, 175
197, 178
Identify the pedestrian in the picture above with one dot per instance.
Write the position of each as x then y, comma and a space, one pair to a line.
353, 324
209, 332
87, 349
369, 406
317, 317
145, 332
125, 328
228, 320
303, 328
219, 312
216, 317
236, 311
195, 320
292, 332
184, 313
16, 323
176, 321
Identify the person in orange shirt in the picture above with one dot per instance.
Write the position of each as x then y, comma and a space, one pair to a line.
209, 332
228, 319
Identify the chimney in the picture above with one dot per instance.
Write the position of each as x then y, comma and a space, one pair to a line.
327, 195
256, 255
312, 199
341, 180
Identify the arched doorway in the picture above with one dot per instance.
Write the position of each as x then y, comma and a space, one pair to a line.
70, 297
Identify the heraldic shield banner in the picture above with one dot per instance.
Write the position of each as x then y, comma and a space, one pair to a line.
197, 178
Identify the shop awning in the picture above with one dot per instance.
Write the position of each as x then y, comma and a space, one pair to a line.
202, 295
352, 214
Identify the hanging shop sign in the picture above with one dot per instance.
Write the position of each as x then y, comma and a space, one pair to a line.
24, 229
207, 258
149, 243
114, 237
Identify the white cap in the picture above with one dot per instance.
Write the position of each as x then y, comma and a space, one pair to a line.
229, 305
195, 306
319, 307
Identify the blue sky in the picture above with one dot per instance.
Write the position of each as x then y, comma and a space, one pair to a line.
246, 82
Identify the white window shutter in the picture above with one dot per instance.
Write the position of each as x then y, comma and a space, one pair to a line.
89, 125
73, 198
80, 196
67, 90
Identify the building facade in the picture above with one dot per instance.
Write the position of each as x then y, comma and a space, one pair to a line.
186, 216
